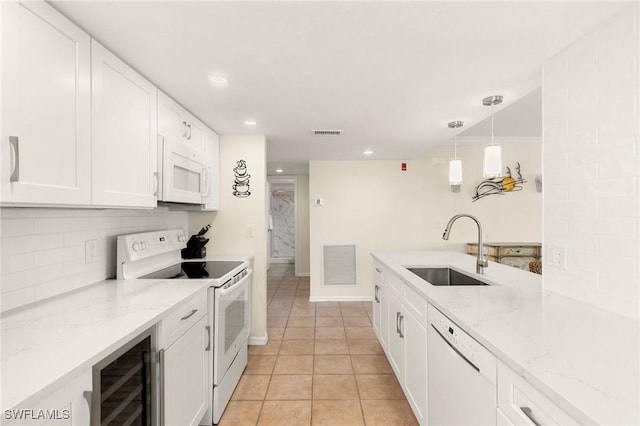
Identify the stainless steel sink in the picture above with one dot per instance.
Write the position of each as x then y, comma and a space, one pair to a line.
445, 276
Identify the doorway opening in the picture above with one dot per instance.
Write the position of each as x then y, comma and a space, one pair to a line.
282, 220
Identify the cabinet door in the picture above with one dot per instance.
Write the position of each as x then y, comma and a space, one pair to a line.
186, 380
172, 123
68, 405
196, 134
395, 345
124, 133
415, 381
45, 145
212, 152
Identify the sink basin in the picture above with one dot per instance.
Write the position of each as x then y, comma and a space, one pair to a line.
445, 276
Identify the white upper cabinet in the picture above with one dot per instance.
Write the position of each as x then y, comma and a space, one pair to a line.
176, 124
212, 152
45, 145
124, 133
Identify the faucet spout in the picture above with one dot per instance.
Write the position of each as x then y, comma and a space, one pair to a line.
482, 262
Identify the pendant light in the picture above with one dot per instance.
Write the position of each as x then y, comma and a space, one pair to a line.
455, 165
492, 166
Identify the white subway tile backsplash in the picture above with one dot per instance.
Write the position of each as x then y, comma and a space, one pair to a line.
599, 73
42, 250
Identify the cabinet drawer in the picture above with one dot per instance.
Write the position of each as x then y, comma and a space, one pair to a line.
519, 251
181, 318
396, 285
416, 304
522, 404
378, 274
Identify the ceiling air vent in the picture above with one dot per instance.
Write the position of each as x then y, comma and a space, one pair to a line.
327, 132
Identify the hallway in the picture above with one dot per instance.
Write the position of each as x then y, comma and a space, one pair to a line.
322, 365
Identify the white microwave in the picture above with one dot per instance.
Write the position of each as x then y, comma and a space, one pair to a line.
184, 174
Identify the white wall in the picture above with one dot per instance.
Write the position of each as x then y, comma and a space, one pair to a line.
228, 231
43, 250
302, 225
592, 166
376, 206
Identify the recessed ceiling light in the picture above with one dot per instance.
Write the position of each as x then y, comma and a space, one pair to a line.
250, 123
279, 170
367, 152
218, 80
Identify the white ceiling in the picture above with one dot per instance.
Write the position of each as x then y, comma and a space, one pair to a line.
390, 74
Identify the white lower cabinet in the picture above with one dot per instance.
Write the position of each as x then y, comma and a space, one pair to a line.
519, 403
395, 343
502, 419
380, 324
185, 378
68, 405
415, 380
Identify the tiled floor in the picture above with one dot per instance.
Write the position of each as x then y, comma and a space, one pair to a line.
322, 366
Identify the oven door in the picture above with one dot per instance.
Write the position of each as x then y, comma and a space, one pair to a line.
231, 324
185, 175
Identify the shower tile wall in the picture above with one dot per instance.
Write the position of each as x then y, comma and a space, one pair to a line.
283, 212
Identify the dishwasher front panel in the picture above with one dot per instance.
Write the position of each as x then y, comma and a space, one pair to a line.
458, 391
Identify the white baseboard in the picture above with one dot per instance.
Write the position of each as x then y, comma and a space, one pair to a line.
258, 340
340, 299
303, 274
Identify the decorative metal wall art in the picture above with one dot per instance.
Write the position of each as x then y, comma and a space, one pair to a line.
500, 185
241, 182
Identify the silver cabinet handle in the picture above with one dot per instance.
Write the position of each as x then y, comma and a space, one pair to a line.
529, 413
397, 322
189, 315
375, 294
378, 271
189, 128
14, 142
400, 332
157, 183
184, 129
208, 348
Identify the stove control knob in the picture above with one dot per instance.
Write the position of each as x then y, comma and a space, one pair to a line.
136, 246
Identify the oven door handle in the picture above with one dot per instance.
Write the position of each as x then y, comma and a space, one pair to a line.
224, 291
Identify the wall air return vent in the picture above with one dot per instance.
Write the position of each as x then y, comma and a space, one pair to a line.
327, 132
339, 265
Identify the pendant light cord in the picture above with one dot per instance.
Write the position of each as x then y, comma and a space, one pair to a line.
492, 137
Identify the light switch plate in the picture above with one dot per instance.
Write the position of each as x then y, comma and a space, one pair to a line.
558, 256
90, 255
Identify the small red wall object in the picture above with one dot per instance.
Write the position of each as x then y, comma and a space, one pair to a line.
404, 167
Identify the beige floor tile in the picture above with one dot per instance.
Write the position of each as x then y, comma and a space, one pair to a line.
241, 413
332, 364
289, 387
379, 386
360, 333
294, 364
297, 347
330, 333
357, 321
280, 321
351, 305
299, 333
271, 348
251, 388
365, 347
275, 332
301, 322
334, 386
260, 364
303, 312
370, 364
336, 413
331, 347
335, 321
385, 413
327, 305
285, 413
328, 312
352, 312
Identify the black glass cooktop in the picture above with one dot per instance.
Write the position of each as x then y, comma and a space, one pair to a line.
194, 270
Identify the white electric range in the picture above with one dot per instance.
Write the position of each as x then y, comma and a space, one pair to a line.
157, 255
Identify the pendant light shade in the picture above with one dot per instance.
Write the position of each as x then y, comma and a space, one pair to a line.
492, 166
455, 165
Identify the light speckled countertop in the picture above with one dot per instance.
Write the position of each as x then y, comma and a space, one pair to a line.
584, 359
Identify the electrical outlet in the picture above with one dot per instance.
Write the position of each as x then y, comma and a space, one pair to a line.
251, 231
90, 255
558, 256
